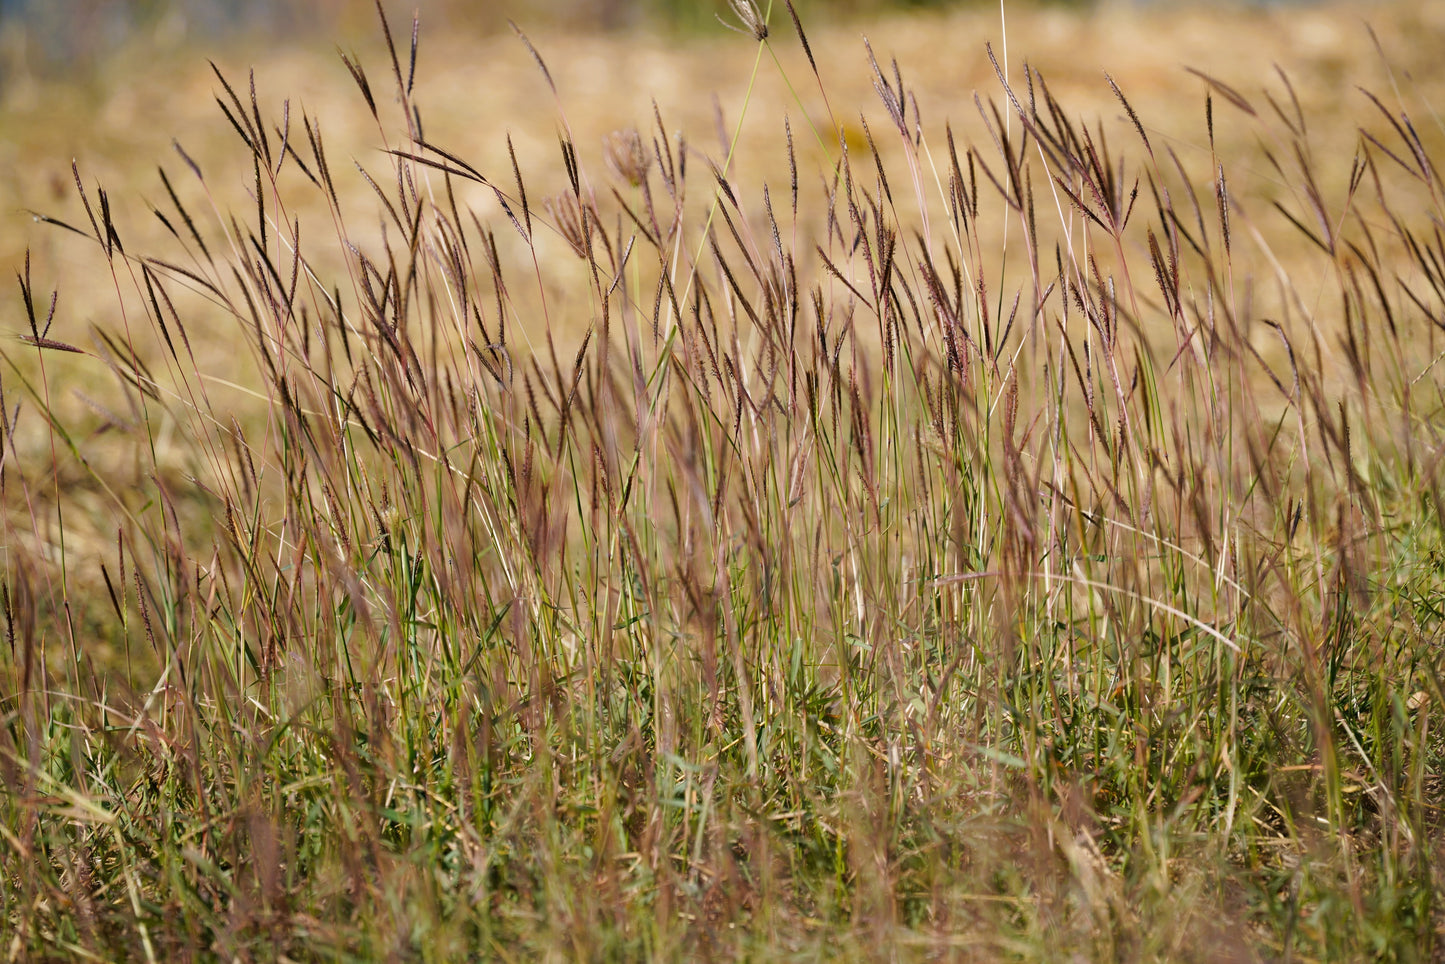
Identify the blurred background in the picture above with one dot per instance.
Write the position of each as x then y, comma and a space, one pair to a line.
42, 37
109, 84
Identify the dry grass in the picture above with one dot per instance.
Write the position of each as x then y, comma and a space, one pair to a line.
604, 530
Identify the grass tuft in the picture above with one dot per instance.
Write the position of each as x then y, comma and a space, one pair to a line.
998, 546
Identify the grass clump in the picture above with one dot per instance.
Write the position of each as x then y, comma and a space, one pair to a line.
989, 549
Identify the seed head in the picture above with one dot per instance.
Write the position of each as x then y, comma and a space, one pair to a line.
626, 155
570, 216
754, 23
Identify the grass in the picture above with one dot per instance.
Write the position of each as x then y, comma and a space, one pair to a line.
967, 547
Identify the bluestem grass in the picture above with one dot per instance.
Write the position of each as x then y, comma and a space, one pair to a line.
879, 590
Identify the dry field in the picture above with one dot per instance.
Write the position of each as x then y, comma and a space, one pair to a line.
953, 487
121, 119
118, 122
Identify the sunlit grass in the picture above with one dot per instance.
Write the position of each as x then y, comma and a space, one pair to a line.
1001, 546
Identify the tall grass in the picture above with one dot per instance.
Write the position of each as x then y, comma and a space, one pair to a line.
993, 550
